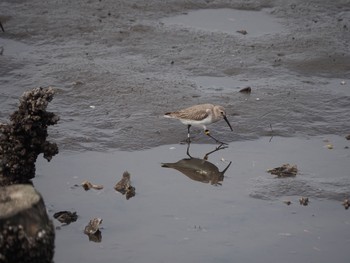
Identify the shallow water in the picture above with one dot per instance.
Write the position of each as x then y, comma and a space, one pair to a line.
255, 23
173, 217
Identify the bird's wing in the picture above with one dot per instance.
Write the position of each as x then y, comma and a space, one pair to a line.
195, 115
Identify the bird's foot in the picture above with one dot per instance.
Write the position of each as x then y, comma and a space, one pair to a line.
216, 140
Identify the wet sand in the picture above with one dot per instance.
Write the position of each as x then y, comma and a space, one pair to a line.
117, 66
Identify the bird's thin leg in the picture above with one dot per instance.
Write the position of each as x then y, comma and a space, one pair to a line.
220, 147
188, 139
188, 150
188, 133
216, 140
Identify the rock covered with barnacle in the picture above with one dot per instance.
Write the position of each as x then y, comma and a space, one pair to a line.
24, 138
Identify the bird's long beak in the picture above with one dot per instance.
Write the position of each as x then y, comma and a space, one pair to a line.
228, 123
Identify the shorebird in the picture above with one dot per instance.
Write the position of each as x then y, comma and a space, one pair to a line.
200, 115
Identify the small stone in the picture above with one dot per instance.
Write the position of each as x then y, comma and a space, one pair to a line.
243, 32
246, 90
66, 217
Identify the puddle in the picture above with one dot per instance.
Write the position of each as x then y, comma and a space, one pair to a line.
256, 23
13, 48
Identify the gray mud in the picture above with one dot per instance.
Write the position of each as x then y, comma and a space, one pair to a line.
118, 66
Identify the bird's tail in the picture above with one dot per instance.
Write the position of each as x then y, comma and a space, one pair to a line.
167, 165
168, 115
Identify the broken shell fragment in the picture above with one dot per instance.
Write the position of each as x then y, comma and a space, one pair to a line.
304, 201
87, 186
346, 204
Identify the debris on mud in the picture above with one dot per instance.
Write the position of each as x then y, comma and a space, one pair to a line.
93, 226
329, 146
346, 204
66, 217
247, 90
93, 231
24, 138
287, 202
243, 32
286, 170
304, 201
88, 185
124, 186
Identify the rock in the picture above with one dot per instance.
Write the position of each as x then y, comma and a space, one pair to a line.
66, 217
286, 170
246, 90
93, 226
24, 138
130, 192
124, 186
26, 233
93, 231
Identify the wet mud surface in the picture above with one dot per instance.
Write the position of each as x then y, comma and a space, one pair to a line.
118, 66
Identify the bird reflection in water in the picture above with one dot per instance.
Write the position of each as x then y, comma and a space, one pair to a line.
198, 169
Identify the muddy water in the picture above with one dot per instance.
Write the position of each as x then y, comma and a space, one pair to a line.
118, 66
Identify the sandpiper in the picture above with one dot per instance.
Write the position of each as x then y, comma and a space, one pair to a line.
199, 116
